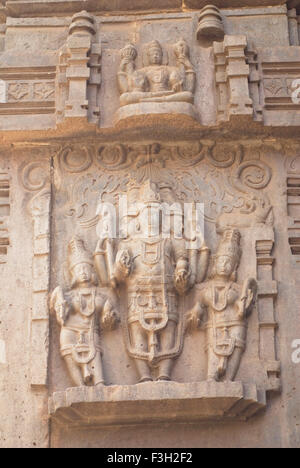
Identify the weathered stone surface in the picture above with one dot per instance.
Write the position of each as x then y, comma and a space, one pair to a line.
156, 403
124, 126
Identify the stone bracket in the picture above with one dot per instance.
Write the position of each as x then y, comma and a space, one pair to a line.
156, 402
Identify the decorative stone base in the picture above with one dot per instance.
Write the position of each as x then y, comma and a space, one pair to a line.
148, 108
154, 402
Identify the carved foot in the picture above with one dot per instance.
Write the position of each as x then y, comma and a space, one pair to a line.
163, 378
145, 379
100, 384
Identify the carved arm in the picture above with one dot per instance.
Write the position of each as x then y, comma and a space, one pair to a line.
182, 276
59, 305
123, 265
109, 319
194, 316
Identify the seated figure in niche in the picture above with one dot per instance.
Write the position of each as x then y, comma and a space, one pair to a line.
156, 82
81, 311
228, 305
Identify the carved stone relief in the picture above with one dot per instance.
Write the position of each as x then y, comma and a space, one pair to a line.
155, 281
188, 171
232, 76
4, 213
23, 94
36, 180
228, 306
157, 87
78, 77
81, 311
292, 167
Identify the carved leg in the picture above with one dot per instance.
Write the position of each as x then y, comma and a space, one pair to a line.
239, 333
234, 364
167, 341
165, 369
143, 370
139, 341
74, 371
97, 369
213, 362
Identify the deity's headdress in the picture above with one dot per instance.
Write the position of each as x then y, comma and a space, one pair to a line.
150, 193
230, 245
78, 253
154, 45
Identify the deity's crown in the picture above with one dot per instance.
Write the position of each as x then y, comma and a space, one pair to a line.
150, 193
154, 45
78, 253
230, 244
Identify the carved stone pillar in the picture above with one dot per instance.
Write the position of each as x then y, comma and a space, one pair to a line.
4, 215
293, 27
221, 81
254, 83
232, 78
267, 293
238, 72
79, 72
40, 211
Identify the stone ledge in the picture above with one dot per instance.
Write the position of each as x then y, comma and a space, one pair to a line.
31, 8
156, 402
155, 108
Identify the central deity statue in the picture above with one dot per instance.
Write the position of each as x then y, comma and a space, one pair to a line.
156, 270
156, 82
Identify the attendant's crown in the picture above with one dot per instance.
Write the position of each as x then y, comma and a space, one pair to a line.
78, 253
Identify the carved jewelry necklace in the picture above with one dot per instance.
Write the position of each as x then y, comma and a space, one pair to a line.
220, 303
88, 308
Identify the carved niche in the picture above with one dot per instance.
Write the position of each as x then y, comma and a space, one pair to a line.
161, 286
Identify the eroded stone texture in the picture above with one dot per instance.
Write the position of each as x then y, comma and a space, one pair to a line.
124, 127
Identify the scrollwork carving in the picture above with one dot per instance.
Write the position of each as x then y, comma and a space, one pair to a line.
224, 156
195, 170
252, 174
34, 177
76, 159
191, 154
111, 157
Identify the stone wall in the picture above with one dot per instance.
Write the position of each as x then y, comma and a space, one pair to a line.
114, 330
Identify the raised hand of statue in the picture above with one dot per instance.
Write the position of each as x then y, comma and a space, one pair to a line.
110, 318
128, 56
182, 276
182, 54
124, 260
193, 318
